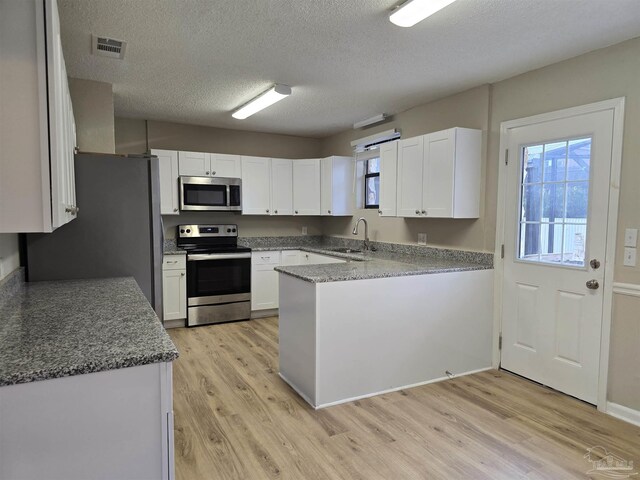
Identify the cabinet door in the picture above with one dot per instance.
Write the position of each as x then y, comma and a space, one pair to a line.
256, 186
174, 294
410, 161
264, 280
281, 186
290, 257
225, 165
194, 164
169, 200
438, 175
388, 179
306, 187
326, 186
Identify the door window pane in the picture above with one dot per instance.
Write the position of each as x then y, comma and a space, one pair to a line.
554, 202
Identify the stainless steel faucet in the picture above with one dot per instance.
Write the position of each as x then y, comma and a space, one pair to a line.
366, 231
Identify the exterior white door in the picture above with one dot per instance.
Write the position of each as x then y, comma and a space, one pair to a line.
556, 207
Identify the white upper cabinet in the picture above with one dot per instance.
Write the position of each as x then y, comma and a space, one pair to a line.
388, 179
37, 185
199, 164
281, 186
452, 169
439, 174
256, 186
194, 164
306, 187
410, 161
337, 196
169, 197
225, 166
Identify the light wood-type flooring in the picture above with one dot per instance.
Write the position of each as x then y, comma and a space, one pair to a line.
236, 419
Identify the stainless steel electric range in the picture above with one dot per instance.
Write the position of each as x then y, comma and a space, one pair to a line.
218, 274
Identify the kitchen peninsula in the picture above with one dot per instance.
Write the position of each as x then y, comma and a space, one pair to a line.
85, 382
386, 320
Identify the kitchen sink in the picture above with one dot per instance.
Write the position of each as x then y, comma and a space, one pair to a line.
345, 250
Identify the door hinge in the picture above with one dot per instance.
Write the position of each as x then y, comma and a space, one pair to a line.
502, 251
500, 342
506, 157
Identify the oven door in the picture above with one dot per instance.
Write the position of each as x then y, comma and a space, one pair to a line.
218, 278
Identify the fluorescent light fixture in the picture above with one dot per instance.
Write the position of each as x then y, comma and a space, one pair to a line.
370, 121
271, 96
414, 11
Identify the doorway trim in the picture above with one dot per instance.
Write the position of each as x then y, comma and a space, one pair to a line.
617, 105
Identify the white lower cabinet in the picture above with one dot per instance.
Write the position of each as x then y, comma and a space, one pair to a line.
264, 280
174, 287
116, 424
265, 288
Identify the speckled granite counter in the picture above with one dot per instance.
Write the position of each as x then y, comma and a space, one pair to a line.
59, 329
388, 260
170, 248
379, 265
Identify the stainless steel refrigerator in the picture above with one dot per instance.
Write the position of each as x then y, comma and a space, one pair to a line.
118, 231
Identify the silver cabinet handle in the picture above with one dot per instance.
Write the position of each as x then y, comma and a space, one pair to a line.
182, 274
175, 209
417, 212
380, 212
267, 210
172, 261
206, 173
593, 284
72, 210
275, 211
296, 212
424, 212
329, 211
213, 173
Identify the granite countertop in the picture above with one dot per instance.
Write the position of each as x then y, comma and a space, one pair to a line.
388, 260
379, 265
64, 328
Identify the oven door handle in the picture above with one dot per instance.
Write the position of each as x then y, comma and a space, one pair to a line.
217, 256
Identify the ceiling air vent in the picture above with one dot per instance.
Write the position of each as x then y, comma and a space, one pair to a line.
108, 47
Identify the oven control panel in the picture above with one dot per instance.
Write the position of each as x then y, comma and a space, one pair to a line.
203, 231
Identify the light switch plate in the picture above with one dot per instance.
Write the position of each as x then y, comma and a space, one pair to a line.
422, 239
629, 257
304, 230
631, 237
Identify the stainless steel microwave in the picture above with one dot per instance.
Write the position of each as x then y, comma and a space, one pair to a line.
210, 194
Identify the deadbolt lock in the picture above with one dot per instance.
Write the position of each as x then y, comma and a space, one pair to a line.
595, 264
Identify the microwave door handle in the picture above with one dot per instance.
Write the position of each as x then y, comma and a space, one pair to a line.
217, 256
228, 195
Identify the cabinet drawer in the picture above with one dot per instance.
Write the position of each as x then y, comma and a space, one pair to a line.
265, 258
174, 262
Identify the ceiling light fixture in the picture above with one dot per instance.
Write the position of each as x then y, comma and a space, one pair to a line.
271, 96
370, 121
414, 11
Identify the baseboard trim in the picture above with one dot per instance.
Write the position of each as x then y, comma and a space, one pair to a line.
631, 289
179, 323
621, 412
271, 312
382, 392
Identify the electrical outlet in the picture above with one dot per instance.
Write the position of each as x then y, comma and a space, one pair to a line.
629, 257
304, 230
631, 237
422, 239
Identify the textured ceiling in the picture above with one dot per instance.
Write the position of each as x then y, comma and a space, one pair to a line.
193, 61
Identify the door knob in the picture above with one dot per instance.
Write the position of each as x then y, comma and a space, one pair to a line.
595, 264
593, 284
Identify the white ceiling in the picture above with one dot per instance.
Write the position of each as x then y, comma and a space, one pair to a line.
194, 61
